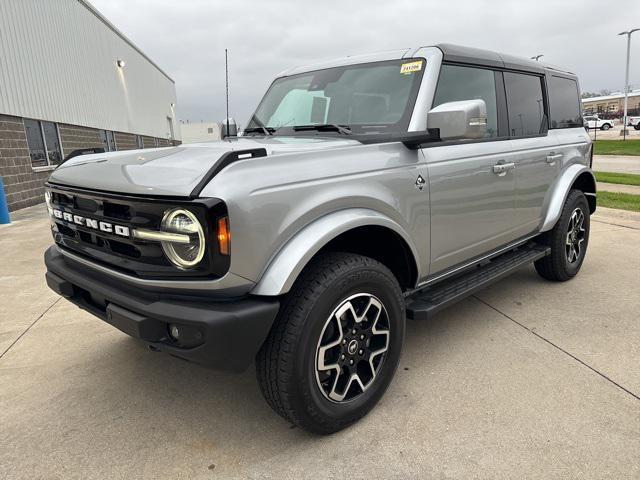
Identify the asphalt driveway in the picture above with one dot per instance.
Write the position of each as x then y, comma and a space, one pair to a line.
528, 379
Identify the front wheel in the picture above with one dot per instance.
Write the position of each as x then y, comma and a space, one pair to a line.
335, 345
568, 240
606, 126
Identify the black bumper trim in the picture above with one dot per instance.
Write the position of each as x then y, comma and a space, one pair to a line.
233, 331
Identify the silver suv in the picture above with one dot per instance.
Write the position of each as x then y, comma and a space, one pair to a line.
363, 191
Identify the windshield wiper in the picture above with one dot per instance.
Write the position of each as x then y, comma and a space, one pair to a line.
266, 130
260, 127
325, 127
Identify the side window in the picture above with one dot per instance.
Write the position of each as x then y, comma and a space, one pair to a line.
108, 140
525, 104
35, 142
564, 104
458, 83
43, 141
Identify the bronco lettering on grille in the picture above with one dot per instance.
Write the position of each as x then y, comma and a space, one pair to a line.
94, 224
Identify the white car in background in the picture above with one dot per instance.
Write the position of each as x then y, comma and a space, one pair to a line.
634, 122
593, 121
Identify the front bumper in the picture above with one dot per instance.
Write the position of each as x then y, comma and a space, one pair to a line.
226, 334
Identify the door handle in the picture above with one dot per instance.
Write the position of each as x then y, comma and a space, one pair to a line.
501, 169
552, 157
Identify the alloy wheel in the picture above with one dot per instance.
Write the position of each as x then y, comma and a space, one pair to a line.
352, 347
575, 236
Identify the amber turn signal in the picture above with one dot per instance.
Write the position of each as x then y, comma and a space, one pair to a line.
224, 236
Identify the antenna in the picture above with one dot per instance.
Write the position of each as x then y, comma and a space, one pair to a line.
226, 73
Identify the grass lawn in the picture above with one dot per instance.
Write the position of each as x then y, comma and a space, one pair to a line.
619, 178
622, 201
617, 147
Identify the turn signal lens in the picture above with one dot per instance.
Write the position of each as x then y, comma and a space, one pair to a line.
224, 236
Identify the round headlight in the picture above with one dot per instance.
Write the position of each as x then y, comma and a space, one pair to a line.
184, 255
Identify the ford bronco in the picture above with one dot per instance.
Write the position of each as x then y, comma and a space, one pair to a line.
362, 192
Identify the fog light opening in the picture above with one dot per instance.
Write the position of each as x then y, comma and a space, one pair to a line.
174, 332
185, 336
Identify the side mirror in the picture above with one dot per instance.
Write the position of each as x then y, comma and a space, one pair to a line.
459, 120
229, 128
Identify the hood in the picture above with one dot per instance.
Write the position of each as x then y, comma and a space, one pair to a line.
172, 171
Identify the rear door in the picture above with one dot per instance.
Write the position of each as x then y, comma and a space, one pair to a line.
472, 204
536, 155
572, 142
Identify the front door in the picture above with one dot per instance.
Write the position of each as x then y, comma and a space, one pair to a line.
472, 201
472, 183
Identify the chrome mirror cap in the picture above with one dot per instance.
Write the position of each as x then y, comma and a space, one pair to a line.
466, 119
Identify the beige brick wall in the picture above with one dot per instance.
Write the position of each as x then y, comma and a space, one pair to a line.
22, 185
74, 137
149, 142
125, 141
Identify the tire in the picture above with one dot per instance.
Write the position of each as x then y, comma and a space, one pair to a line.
636, 127
605, 126
568, 240
288, 364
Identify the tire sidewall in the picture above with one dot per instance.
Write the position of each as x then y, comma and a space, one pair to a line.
363, 280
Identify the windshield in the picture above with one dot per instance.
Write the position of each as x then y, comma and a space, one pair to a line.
365, 98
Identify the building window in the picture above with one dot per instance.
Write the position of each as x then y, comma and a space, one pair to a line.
43, 140
170, 133
108, 140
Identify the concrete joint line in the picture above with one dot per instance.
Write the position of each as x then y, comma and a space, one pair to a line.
29, 327
616, 224
559, 348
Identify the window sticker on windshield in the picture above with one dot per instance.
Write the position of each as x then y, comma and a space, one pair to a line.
407, 68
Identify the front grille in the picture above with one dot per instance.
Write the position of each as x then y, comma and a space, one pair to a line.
133, 256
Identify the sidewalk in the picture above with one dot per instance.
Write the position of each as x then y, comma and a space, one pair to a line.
615, 187
617, 163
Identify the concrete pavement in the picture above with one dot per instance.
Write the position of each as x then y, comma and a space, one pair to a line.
528, 379
617, 163
618, 188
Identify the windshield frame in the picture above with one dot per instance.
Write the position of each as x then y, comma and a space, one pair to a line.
357, 129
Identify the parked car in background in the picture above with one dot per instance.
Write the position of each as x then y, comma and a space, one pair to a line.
634, 122
594, 121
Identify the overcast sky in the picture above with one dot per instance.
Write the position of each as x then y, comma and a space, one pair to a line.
187, 38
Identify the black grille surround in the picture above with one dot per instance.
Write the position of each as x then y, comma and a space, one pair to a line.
141, 258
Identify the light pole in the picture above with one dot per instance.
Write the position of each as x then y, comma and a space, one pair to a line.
537, 57
626, 80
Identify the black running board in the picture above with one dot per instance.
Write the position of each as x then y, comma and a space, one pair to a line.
424, 303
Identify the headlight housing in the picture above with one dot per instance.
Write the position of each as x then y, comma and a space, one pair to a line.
184, 255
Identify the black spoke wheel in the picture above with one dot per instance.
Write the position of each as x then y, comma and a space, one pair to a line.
335, 345
568, 240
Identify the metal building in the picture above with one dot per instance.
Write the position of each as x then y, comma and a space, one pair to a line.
70, 80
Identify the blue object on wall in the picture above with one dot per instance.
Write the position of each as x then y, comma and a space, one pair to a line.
4, 207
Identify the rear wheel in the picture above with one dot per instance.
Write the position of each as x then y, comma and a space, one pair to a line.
568, 240
636, 127
335, 345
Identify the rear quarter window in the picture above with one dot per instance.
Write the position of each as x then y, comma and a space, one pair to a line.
564, 103
525, 104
